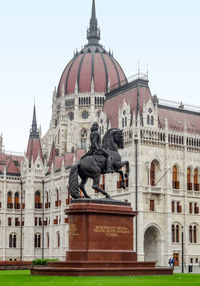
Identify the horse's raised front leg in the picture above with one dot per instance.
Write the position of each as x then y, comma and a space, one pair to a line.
118, 166
96, 187
82, 187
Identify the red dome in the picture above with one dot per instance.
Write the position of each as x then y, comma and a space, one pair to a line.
92, 62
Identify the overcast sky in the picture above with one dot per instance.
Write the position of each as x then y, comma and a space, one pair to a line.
37, 40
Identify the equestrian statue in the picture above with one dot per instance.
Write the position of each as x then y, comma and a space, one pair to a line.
100, 159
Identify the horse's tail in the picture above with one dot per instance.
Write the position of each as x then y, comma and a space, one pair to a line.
73, 182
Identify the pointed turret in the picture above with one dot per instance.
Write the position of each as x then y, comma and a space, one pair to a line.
34, 148
93, 33
34, 133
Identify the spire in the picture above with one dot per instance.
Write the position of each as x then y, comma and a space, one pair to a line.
93, 33
34, 133
34, 149
93, 11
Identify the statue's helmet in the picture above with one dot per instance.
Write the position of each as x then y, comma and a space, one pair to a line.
95, 126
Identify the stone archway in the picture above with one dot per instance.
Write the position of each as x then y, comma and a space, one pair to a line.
152, 245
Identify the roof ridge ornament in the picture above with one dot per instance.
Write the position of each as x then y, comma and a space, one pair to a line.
93, 32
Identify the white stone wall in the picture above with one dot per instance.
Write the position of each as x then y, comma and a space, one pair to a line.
153, 227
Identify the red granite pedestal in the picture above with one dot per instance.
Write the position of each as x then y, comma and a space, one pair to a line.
100, 242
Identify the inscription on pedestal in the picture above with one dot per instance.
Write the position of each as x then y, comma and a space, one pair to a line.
73, 230
112, 231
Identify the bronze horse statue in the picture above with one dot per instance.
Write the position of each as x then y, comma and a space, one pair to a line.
92, 166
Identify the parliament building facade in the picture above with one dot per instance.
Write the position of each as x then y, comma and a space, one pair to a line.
162, 144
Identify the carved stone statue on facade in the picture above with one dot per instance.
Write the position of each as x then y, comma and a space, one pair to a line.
99, 160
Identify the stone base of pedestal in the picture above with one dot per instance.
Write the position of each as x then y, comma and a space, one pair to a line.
100, 242
100, 269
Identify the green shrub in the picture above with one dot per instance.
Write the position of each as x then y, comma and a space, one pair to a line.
39, 261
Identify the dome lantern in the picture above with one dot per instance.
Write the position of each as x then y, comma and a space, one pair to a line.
93, 32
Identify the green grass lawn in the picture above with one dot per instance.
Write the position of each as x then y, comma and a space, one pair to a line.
20, 278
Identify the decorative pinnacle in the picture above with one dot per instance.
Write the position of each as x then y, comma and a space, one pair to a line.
93, 33
34, 133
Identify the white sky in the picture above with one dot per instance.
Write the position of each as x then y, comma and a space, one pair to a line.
37, 40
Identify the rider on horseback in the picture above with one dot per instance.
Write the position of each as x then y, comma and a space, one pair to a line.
96, 148
98, 161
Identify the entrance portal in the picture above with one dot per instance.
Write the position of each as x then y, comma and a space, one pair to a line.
152, 245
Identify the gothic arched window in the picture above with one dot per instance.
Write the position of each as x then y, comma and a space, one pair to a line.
196, 179
189, 184
152, 120
47, 204
37, 241
175, 182
9, 200
148, 119
173, 233
152, 174
16, 202
58, 201
124, 119
190, 234
177, 233
193, 234
84, 139
12, 240
38, 204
